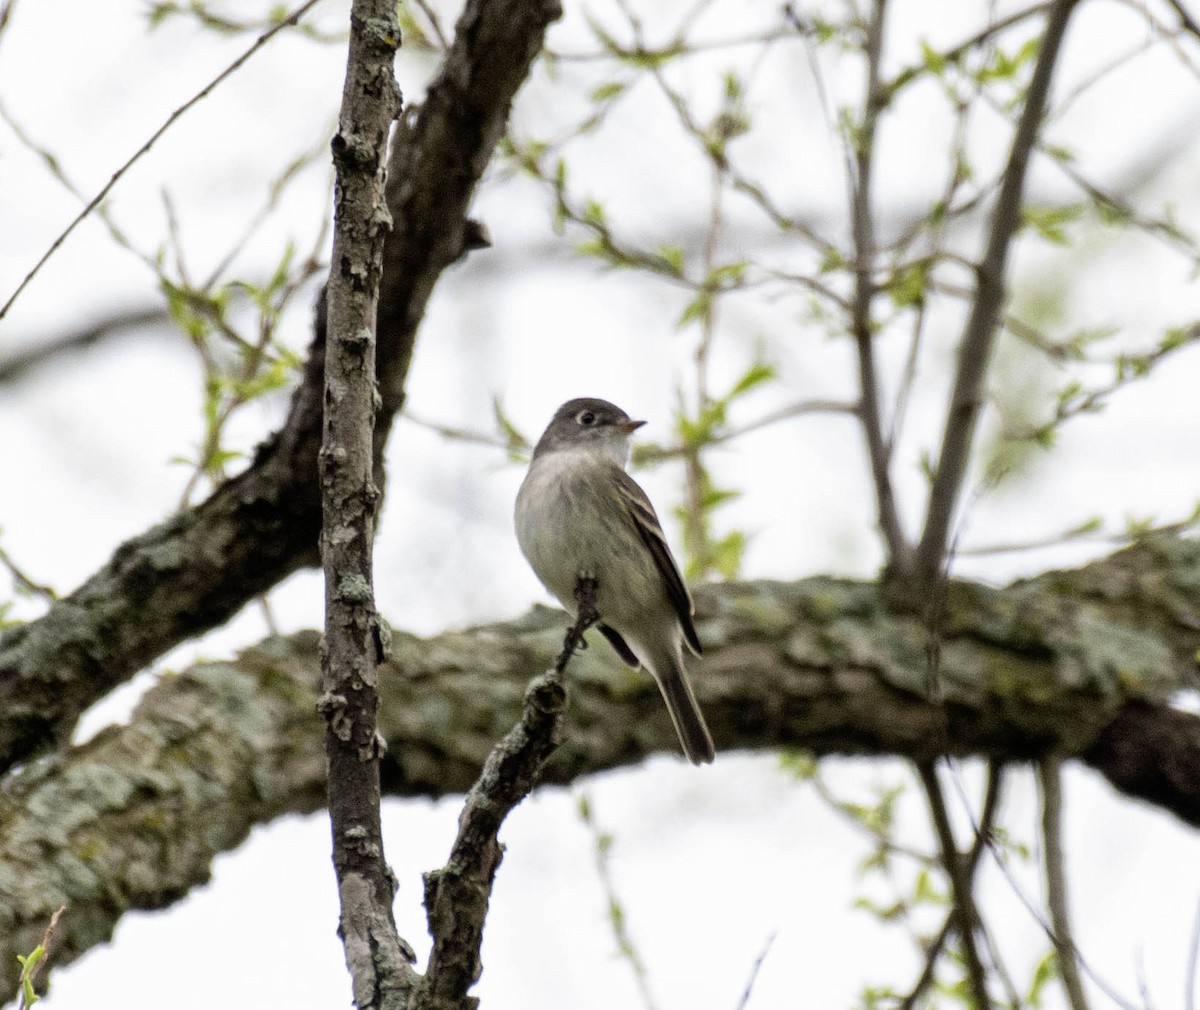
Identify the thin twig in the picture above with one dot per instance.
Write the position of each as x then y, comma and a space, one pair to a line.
18, 365
1188, 22
1050, 774
1001, 861
457, 895
6, 11
458, 434
627, 950
983, 838
975, 350
203, 93
655, 454
960, 881
22, 579
754, 970
47, 939
861, 320
434, 23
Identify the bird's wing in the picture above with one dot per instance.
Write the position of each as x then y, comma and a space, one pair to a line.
622, 647
644, 518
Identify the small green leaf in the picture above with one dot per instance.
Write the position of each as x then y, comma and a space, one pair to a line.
593, 213
697, 309
799, 763
672, 255
908, 287
608, 91
934, 61
755, 375
1050, 222
1046, 971
727, 274
831, 259
1092, 525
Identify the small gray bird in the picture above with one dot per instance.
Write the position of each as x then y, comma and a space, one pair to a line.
579, 514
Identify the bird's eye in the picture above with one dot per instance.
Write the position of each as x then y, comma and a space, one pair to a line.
586, 418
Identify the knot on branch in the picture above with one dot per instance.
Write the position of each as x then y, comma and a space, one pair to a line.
332, 708
545, 700
353, 150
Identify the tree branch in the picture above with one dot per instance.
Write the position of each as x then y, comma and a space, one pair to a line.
457, 896
961, 885
975, 349
987, 819
1050, 776
379, 962
16, 366
1082, 663
198, 568
861, 321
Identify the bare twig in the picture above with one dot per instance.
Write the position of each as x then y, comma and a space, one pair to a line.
978, 337
1050, 774
17, 366
200, 95
457, 895
861, 321
966, 915
379, 962
456, 434
6, 10
754, 970
626, 949
1188, 22
24, 580
983, 837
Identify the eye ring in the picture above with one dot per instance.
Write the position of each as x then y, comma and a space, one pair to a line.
586, 417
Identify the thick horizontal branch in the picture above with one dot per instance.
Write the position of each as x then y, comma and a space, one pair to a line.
1079, 663
196, 570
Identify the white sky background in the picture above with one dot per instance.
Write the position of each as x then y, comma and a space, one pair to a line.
709, 863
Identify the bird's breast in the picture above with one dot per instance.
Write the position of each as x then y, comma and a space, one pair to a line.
569, 524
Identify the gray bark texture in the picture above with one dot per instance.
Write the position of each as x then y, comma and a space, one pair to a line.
1081, 664
381, 973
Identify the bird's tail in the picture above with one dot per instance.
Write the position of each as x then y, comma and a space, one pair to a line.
693, 733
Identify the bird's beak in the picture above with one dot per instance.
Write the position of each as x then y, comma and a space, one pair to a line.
630, 426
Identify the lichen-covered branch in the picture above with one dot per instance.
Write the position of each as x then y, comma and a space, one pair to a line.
1080, 663
381, 973
198, 568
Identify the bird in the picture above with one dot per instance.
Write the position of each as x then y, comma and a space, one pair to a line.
579, 515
